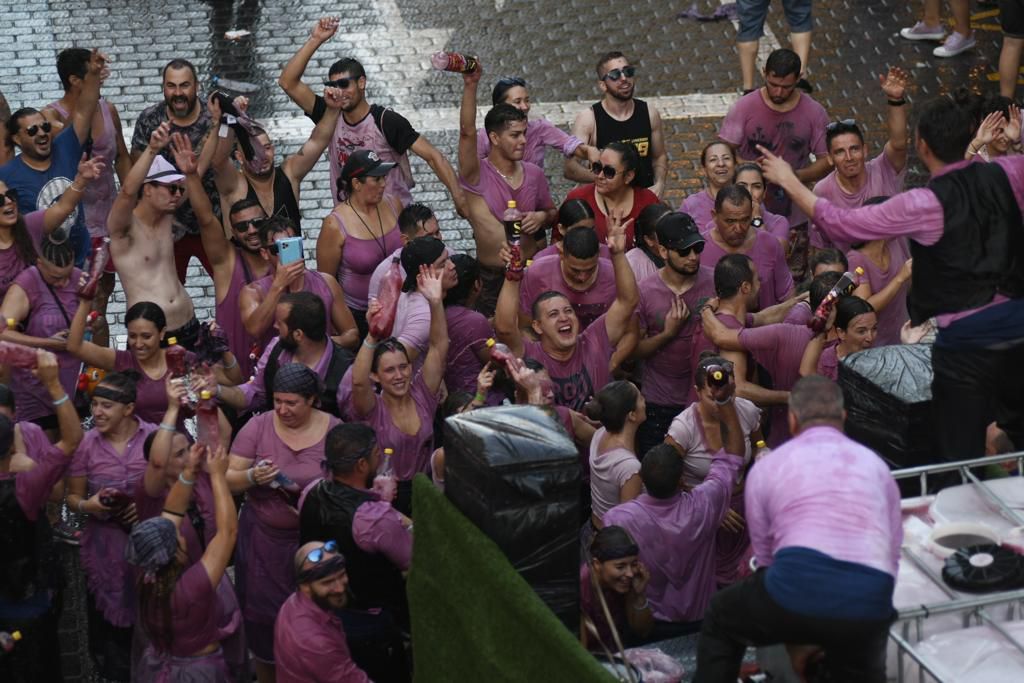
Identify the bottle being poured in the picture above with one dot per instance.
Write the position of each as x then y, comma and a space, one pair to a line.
385, 484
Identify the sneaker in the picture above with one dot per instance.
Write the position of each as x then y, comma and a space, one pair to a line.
954, 45
921, 32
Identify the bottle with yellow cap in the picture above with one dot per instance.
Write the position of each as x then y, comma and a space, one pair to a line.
847, 283
208, 419
500, 353
761, 450
385, 484
9, 640
175, 357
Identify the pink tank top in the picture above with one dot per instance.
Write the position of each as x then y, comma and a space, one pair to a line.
360, 257
229, 315
99, 194
367, 135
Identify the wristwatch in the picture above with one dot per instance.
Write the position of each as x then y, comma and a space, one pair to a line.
757, 222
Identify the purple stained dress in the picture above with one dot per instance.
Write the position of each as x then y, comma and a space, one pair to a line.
688, 431
150, 394
46, 317
411, 451
361, 256
103, 541
268, 529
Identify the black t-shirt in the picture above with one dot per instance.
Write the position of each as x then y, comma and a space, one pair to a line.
396, 128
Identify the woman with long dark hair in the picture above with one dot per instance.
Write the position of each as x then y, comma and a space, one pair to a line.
614, 467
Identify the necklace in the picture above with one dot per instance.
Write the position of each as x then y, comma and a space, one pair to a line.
379, 240
508, 179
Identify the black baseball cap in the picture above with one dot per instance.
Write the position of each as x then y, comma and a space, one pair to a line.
365, 162
678, 231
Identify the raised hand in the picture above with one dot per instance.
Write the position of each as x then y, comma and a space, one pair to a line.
1012, 127
894, 84
217, 461
473, 77
184, 156
641, 575
485, 379
617, 225
324, 29
47, 369
160, 137
90, 169
241, 104
332, 97
776, 169
213, 106
989, 128
677, 314
428, 282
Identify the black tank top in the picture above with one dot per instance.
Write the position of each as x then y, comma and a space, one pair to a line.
285, 203
636, 129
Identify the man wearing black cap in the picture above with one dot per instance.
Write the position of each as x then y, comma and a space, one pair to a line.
373, 536
309, 641
29, 561
667, 299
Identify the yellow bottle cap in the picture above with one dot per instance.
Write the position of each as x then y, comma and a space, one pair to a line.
717, 375
529, 262
491, 342
16, 635
389, 451
11, 322
761, 444
858, 270
511, 203
205, 395
171, 341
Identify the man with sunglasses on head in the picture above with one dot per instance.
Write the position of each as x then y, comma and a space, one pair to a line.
854, 180
363, 125
781, 118
620, 117
667, 300
495, 180
374, 537
236, 262
46, 166
309, 640
184, 112
142, 238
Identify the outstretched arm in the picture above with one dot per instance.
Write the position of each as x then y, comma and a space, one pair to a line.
218, 554
429, 283
302, 162
90, 96
627, 296
363, 396
210, 229
506, 312
469, 163
68, 425
894, 86
88, 171
291, 77
120, 217
442, 168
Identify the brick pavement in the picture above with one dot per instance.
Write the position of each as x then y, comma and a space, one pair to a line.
686, 65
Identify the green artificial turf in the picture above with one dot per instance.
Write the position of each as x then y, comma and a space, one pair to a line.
474, 618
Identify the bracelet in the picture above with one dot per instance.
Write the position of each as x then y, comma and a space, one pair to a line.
368, 344
168, 428
248, 475
722, 403
217, 394
479, 398
897, 103
172, 512
641, 608
186, 482
234, 364
81, 508
76, 189
61, 401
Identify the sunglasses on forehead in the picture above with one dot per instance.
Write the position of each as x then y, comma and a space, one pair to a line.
608, 172
616, 74
9, 196
46, 127
842, 122
339, 83
317, 554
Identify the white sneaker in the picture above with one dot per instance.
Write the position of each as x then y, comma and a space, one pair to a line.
954, 45
920, 31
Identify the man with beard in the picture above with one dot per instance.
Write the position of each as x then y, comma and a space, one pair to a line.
362, 125
854, 180
47, 164
667, 299
492, 182
185, 113
733, 233
788, 122
309, 641
235, 262
375, 539
301, 325
141, 237
620, 117
276, 188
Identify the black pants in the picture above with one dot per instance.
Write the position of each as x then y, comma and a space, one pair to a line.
187, 335
744, 614
970, 389
653, 430
376, 644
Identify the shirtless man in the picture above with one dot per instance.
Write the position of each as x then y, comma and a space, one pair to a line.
494, 180
276, 187
141, 240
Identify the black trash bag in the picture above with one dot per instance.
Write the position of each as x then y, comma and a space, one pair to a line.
888, 393
514, 472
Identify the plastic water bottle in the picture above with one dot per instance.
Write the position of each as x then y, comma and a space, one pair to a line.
240, 87
384, 484
175, 356
383, 323
100, 256
456, 62
500, 353
17, 356
209, 420
9, 640
281, 481
847, 283
762, 449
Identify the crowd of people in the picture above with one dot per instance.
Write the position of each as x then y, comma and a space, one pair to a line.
672, 344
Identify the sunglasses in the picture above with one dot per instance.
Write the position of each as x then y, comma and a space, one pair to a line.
339, 83
695, 248
843, 122
317, 554
616, 74
245, 226
175, 189
598, 168
46, 127
9, 196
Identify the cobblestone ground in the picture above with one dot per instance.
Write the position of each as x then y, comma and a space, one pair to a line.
689, 68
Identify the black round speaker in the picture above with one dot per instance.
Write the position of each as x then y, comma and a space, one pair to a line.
984, 569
